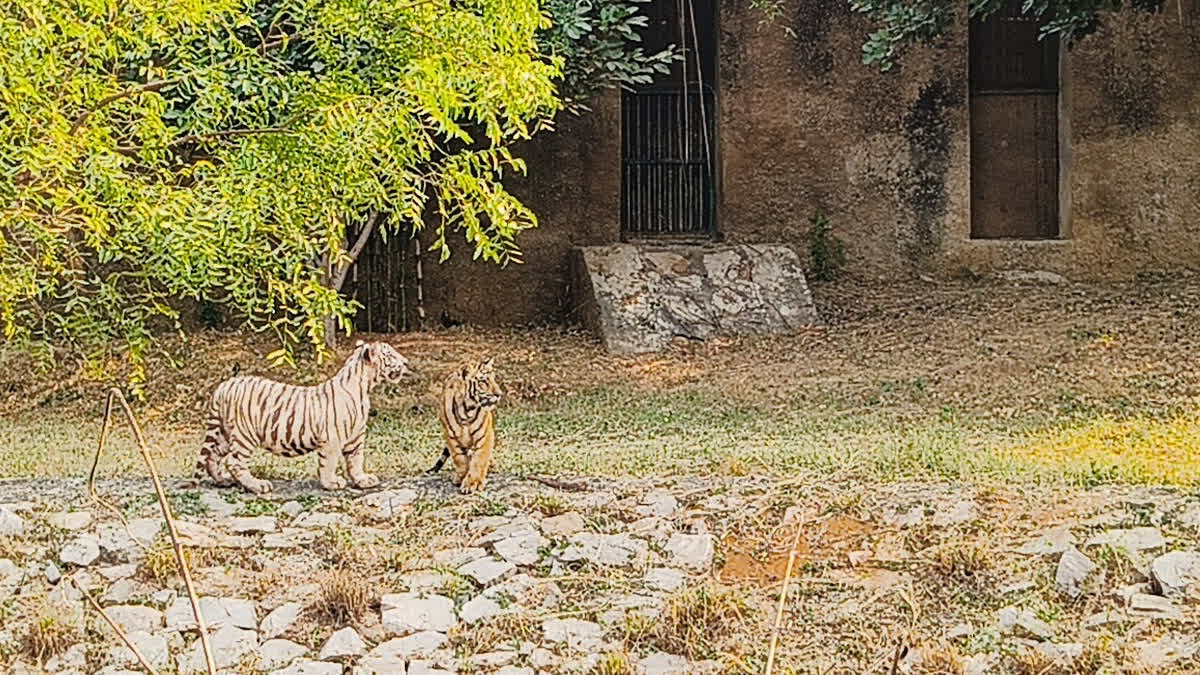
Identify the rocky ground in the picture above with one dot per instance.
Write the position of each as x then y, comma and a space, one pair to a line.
605, 576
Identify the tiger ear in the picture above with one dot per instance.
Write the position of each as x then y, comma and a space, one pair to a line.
366, 352
358, 343
465, 371
487, 364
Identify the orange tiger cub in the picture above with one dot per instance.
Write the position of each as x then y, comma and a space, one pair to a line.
467, 410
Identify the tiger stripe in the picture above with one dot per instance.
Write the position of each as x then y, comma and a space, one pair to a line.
248, 412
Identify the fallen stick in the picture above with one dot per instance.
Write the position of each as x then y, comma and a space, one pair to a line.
787, 578
137, 653
172, 532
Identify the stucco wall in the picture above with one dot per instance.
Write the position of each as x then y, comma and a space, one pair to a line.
804, 125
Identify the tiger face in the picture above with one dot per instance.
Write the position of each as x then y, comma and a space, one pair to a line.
481, 385
387, 362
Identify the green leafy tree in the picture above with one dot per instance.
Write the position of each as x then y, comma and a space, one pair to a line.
220, 151
600, 45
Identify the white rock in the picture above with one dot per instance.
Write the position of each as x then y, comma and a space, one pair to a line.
318, 520
280, 620
1190, 516
82, 551
658, 503
415, 646
1073, 570
424, 667
125, 590
425, 580
234, 612
291, 508
1051, 542
73, 660
11, 524
115, 538
1176, 573
577, 635
514, 670
1153, 606
493, 659
486, 570
275, 654
662, 663
1032, 277
517, 527
961, 511
343, 643
1169, 649
693, 551
386, 504
153, 647
1105, 618
221, 504
605, 549
527, 591
980, 664
907, 518
543, 659
252, 525
404, 613
478, 609
663, 579
1132, 540
134, 618
10, 577
52, 573
1016, 587
115, 572
229, 645
959, 630
1063, 654
563, 525
71, 521
289, 537
1010, 618
307, 667
454, 558
522, 549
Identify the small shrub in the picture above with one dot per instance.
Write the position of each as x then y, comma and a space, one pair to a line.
552, 505
962, 558
827, 253
54, 628
613, 663
345, 596
490, 634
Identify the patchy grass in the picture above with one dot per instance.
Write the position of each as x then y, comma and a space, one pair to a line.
976, 382
53, 629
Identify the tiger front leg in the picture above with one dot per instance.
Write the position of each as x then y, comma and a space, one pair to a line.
477, 467
327, 466
355, 452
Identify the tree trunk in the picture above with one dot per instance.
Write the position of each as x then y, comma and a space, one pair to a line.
336, 272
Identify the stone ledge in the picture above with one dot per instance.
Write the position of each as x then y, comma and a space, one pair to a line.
637, 298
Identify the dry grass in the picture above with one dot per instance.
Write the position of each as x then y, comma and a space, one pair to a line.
699, 623
490, 634
161, 566
53, 628
345, 597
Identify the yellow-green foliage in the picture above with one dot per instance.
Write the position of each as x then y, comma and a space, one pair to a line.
1135, 450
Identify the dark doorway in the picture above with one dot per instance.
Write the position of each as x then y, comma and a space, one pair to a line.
668, 129
1014, 93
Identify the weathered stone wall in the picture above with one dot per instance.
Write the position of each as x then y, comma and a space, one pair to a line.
804, 125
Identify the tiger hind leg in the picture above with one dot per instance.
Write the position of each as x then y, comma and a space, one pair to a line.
238, 463
212, 454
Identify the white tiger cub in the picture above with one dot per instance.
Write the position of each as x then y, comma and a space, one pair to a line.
249, 412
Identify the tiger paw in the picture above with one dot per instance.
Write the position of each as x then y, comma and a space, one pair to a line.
257, 486
366, 481
469, 486
335, 483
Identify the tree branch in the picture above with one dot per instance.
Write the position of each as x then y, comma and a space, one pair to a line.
113, 98
364, 236
191, 138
